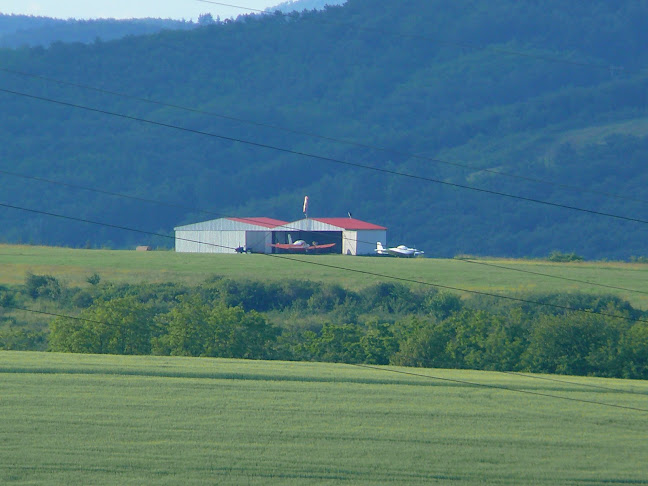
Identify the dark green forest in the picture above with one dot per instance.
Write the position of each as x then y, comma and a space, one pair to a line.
384, 323
552, 91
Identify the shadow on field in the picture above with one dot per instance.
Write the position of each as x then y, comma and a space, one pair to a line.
231, 376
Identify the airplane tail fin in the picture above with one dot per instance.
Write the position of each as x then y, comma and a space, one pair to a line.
379, 246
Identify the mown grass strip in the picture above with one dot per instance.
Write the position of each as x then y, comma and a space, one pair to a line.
74, 266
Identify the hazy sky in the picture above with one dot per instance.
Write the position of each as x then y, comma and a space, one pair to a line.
120, 9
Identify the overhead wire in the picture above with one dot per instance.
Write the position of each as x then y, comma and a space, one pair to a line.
411, 155
325, 265
323, 158
109, 193
384, 369
573, 383
287, 227
400, 153
515, 390
521, 270
497, 387
271, 126
51, 314
323, 137
430, 364
544, 58
184, 207
252, 220
319, 136
515, 373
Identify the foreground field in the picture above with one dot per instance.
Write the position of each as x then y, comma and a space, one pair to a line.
74, 266
72, 419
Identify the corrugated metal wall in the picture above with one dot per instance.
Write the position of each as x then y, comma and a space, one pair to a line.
362, 242
208, 241
221, 224
308, 225
223, 236
367, 241
258, 241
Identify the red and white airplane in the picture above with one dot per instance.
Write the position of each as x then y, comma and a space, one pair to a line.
301, 245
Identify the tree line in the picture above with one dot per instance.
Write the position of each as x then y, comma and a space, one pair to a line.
385, 323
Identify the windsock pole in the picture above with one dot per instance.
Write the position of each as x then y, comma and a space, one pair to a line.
305, 209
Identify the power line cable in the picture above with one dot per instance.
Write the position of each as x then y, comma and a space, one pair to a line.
286, 227
499, 387
464, 382
430, 364
324, 158
336, 160
252, 220
352, 270
249, 9
327, 138
310, 155
271, 126
486, 170
324, 265
52, 314
109, 193
574, 383
466, 260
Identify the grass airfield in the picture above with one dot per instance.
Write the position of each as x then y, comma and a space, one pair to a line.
87, 419
74, 266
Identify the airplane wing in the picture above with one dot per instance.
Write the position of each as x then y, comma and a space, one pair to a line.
289, 246
321, 247
294, 247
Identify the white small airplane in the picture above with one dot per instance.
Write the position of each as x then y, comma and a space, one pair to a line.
398, 251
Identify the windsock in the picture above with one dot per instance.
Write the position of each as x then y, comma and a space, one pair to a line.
305, 210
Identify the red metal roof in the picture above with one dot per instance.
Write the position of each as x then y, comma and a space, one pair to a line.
265, 222
350, 223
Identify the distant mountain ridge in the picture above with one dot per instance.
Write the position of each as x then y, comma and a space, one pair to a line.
299, 5
452, 95
24, 30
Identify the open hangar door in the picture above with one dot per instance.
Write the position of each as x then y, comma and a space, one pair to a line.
310, 237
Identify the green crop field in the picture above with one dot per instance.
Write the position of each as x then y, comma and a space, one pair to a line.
86, 419
73, 266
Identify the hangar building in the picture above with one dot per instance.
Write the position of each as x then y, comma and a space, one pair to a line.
223, 235
351, 236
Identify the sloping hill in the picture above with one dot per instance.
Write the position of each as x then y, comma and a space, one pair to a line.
24, 30
495, 86
299, 5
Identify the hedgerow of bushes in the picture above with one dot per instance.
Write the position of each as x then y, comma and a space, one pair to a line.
385, 323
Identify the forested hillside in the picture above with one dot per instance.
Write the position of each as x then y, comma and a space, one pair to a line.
552, 91
25, 30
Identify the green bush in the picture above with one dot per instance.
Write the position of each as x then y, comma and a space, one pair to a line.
557, 256
42, 286
119, 326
